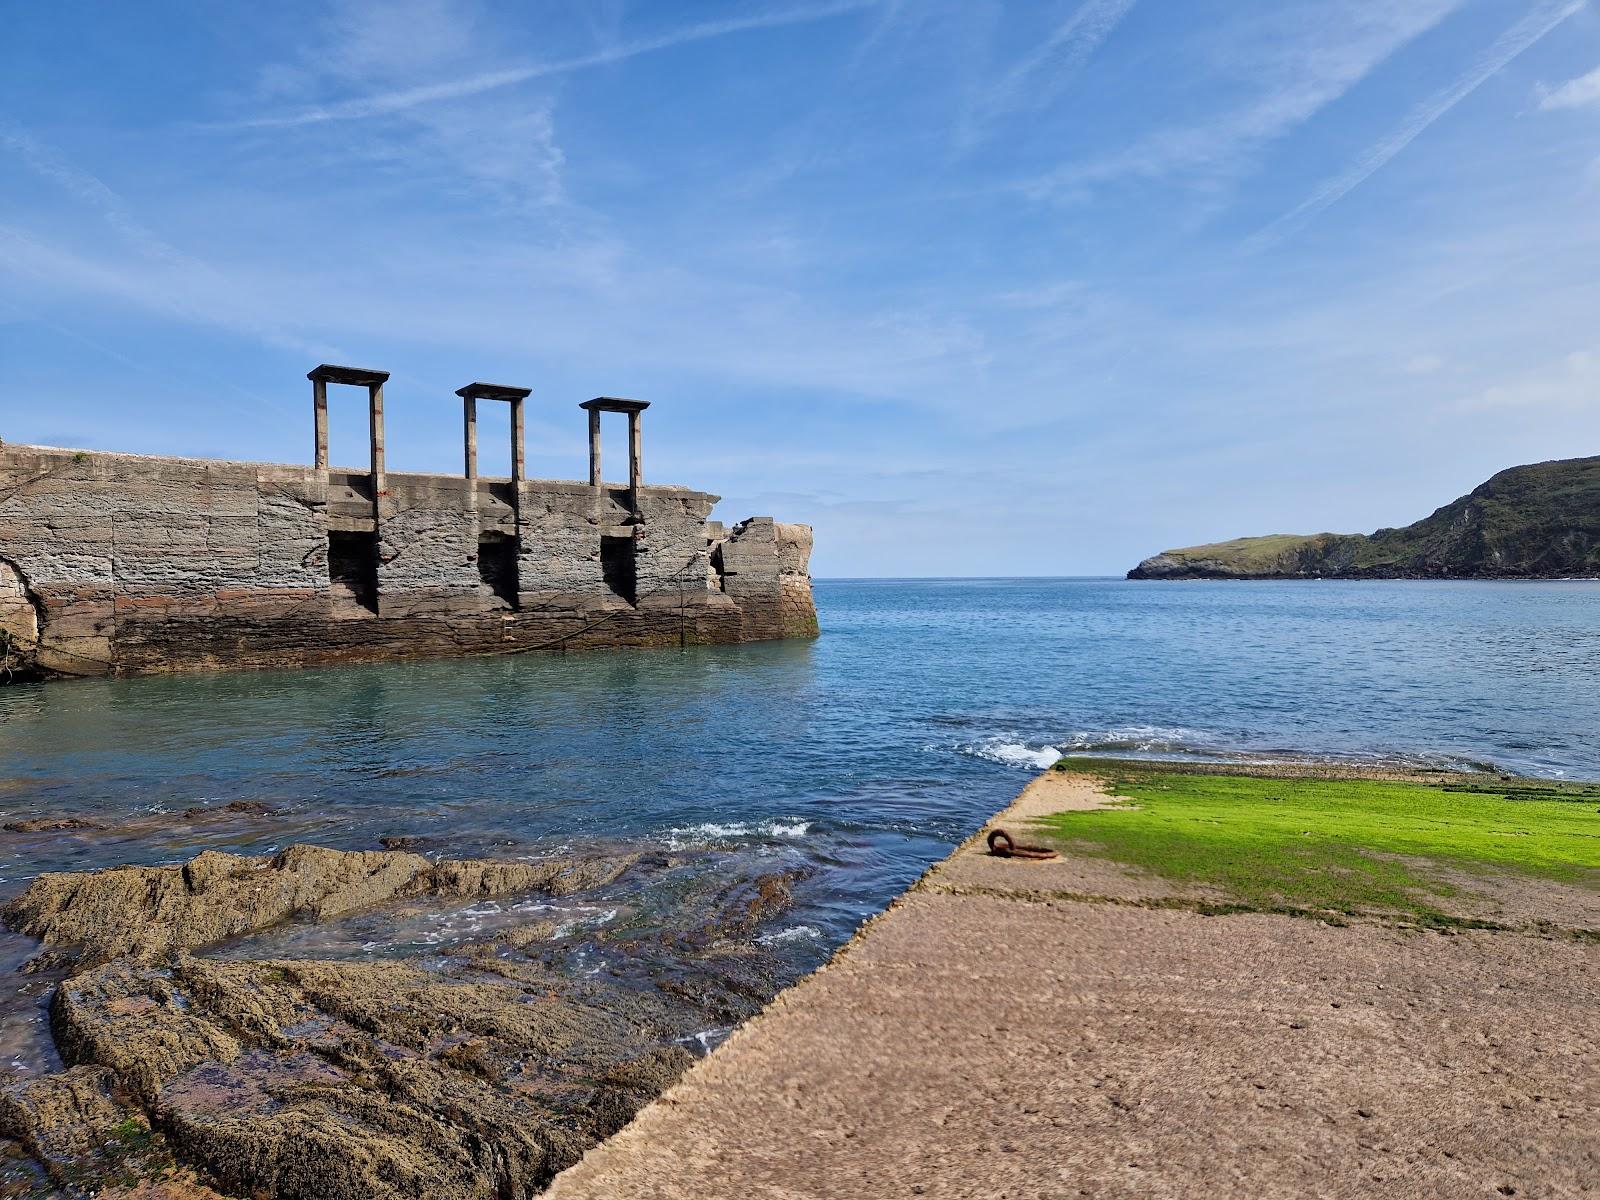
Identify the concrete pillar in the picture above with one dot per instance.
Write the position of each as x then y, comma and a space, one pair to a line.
373, 381
319, 403
616, 404
375, 410
469, 411
518, 450
635, 453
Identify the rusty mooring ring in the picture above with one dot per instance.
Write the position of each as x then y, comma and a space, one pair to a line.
1003, 845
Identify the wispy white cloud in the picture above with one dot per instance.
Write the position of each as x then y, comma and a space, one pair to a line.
390, 102
1423, 364
668, 317
507, 151
892, 16
22, 255
50, 166
1543, 19
1293, 64
177, 288
1570, 382
499, 145
1575, 93
29, 255
1036, 79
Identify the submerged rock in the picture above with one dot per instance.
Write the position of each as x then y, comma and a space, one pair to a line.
475, 1073
246, 808
51, 825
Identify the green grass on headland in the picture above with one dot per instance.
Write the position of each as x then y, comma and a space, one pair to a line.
1266, 554
1346, 845
1537, 521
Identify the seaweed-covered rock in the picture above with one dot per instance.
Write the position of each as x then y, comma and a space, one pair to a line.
86, 1136
345, 1079
479, 1072
215, 896
61, 1117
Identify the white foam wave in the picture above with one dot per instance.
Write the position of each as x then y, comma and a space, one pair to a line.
685, 836
1145, 739
580, 917
1014, 750
1012, 753
795, 933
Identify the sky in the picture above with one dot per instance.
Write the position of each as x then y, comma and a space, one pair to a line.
973, 288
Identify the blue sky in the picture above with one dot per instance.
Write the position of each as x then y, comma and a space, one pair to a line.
974, 288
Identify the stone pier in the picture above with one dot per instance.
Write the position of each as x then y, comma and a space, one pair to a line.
113, 563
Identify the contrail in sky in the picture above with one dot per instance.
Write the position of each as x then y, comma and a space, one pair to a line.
1535, 25
1053, 65
385, 103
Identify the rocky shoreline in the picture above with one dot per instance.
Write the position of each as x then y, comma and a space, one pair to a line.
220, 1038
196, 1066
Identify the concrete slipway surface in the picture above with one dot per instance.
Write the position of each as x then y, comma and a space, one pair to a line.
997, 1034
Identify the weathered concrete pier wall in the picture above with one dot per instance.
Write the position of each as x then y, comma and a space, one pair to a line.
119, 563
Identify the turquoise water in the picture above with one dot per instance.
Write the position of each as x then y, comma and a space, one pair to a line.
858, 758
911, 719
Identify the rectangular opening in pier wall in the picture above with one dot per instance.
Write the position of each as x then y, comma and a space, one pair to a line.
616, 565
353, 572
497, 569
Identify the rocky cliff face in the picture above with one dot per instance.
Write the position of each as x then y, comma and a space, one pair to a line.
1540, 521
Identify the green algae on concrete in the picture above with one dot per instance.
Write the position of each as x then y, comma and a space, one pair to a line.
1342, 844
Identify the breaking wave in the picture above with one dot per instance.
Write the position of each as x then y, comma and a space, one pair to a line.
1162, 742
1012, 754
684, 837
1035, 754
794, 933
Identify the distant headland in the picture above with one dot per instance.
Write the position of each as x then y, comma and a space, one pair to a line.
1540, 521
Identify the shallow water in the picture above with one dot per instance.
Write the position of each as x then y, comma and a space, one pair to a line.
862, 756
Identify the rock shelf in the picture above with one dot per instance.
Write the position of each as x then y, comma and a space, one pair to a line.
479, 1071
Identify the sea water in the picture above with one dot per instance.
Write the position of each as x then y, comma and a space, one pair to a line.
858, 758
